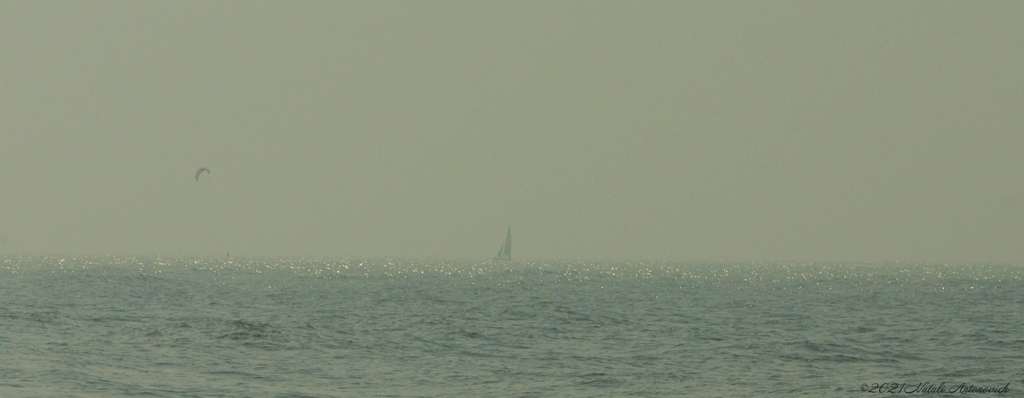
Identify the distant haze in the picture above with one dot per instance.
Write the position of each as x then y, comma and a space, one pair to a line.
689, 131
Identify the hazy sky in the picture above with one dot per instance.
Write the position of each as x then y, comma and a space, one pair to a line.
778, 131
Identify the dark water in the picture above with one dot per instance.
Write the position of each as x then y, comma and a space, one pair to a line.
177, 327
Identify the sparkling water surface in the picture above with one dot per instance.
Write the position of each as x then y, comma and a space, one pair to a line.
202, 327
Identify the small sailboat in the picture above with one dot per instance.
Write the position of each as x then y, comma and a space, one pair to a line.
505, 253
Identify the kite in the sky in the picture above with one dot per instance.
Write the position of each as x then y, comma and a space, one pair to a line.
200, 171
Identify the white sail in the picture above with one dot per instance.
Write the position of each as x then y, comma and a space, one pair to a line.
505, 253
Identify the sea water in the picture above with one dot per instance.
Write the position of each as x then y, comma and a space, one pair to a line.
109, 326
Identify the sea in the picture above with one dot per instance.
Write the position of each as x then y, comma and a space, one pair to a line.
117, 326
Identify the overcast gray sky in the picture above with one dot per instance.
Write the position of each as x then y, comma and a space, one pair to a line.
778, 131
